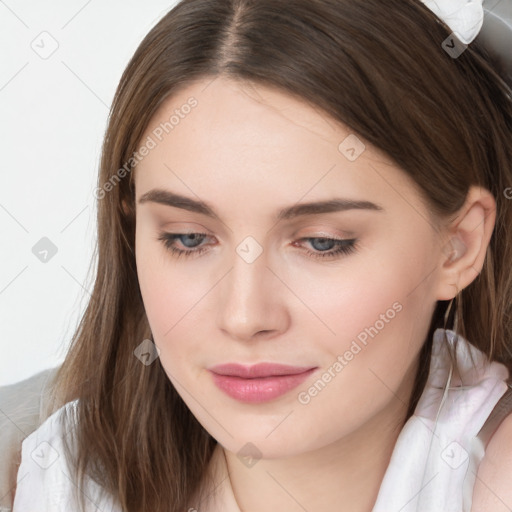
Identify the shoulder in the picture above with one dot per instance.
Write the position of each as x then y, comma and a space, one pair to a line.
492, 489
43, 466
45, 476
21, 404
52, 430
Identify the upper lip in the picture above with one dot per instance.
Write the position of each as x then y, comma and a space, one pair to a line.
258, 370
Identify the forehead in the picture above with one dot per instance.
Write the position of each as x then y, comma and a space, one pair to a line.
217, 135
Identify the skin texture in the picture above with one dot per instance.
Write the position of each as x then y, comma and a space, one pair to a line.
248, 151
492, 489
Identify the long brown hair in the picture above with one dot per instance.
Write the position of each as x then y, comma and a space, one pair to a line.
379, 68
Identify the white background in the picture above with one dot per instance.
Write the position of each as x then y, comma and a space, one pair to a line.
53, 113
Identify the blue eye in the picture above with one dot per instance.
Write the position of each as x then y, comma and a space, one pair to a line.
341, 246
168, 239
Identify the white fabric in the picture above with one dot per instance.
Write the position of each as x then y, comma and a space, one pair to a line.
432, 467
44, 481
464, 17
23, 407
437, 453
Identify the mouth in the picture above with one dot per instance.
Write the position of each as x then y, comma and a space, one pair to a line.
258, 383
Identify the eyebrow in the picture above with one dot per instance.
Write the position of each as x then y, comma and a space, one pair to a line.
168, 198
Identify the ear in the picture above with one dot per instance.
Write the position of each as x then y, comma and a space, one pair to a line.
468, 237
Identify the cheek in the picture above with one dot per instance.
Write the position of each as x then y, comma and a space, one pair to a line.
174, 299
371, 296
379, 320
169, 295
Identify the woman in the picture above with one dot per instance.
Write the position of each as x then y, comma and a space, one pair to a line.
301, 204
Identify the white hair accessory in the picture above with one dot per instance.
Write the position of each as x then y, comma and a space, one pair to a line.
464, 17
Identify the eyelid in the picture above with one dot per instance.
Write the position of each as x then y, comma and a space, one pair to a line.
192, 227
295, 230
312, 232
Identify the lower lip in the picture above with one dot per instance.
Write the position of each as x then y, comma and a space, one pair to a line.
261, 389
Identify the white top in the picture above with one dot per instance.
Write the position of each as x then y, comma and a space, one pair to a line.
44, 481
433, 465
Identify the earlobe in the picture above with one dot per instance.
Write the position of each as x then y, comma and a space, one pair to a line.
469, 236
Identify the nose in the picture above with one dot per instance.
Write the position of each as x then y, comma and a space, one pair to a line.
252, 301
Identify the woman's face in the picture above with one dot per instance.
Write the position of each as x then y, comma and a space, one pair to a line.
258, 287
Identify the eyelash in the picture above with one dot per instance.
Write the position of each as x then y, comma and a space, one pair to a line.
345, 246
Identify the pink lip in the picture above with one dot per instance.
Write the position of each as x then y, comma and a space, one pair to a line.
258, 383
